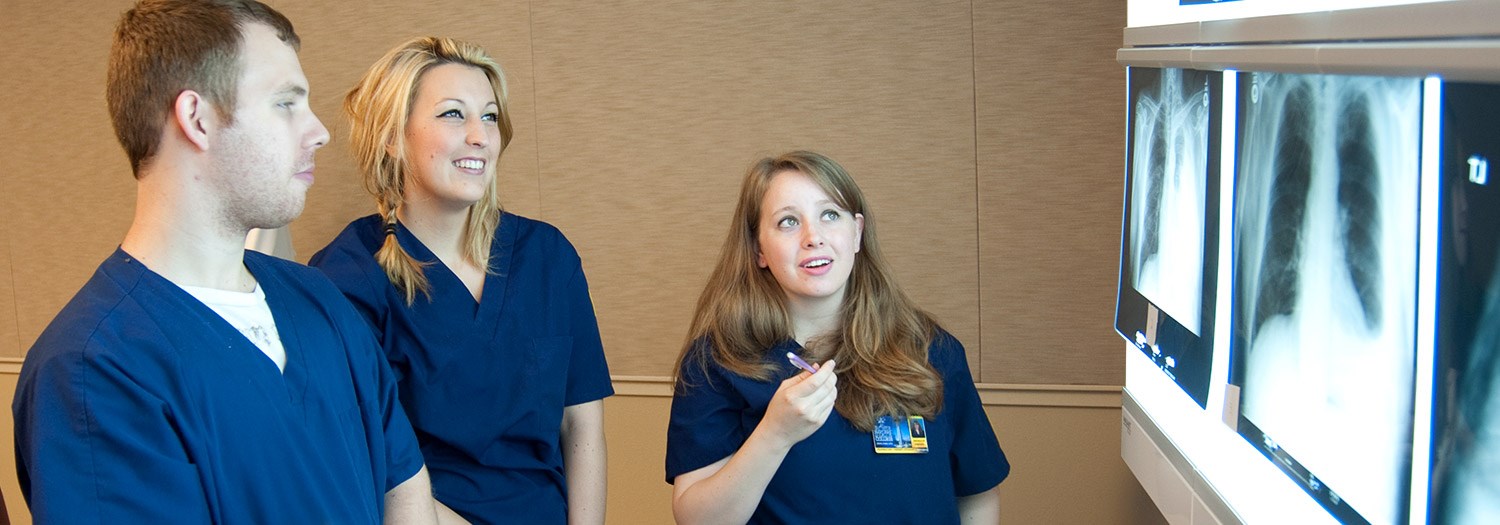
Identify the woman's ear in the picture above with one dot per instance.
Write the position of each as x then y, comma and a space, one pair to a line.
859, 230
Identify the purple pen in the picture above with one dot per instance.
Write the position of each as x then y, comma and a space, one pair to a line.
800, 363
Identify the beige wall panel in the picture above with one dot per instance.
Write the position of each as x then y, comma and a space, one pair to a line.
10, 485
69, 193
1066, 468
636, 434
650, 115
1050, 159
10, 344
10, 86
336, 50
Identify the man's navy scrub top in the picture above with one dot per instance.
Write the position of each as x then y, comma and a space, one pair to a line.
139, 404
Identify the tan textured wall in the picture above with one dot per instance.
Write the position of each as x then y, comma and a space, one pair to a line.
1050, 157
650, 125
9, 344
10, 488
1066, 468
68, 192
987, 135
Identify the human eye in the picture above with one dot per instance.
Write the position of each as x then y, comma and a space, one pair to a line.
787, 222
490, 117
831, 215
452, 113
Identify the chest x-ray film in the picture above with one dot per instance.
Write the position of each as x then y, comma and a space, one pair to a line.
1466, 412
1169, 245
1324, 287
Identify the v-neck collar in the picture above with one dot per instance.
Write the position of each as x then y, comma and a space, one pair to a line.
448, 288
295, 373
293, 378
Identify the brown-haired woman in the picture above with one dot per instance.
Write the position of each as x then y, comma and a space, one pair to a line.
889, 429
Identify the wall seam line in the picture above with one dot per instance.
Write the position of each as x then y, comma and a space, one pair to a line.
978, 224
536, 103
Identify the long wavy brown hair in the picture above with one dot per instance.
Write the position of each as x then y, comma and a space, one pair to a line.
378, 108
881, 342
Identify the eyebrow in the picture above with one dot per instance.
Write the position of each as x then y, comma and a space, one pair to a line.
292, 89
461, 101
828, 202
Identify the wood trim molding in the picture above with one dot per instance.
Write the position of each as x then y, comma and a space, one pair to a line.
991, 394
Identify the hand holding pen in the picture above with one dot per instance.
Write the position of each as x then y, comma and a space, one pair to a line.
803, 402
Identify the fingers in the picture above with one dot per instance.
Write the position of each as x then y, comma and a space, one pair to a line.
816, 395
825, 373
803, 403
821, 404
825, 380
805, 390
826, 391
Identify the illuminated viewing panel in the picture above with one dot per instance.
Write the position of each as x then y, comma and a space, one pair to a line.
1169, 263
1342, 364
1324, 287
1164, 12
1358, 350
1466, 414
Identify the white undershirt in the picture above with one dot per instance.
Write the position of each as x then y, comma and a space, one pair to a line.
248, 313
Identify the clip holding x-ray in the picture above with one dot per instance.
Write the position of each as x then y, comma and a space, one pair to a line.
1479, 169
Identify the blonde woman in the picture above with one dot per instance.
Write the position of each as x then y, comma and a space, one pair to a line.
888, 429
484, 316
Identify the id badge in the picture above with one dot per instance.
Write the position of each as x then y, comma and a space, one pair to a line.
906, 435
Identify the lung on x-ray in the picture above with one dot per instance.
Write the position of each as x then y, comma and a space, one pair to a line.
1169, 246
1466, 411
1325, 243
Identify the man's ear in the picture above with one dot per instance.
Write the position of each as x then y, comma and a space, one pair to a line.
194, 117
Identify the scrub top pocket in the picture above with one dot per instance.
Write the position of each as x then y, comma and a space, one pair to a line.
546, 371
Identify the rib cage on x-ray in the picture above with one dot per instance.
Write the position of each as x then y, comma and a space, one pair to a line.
1170, 177
1469, 480
1325, 239
1358, 220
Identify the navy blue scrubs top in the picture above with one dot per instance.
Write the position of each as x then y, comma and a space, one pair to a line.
835, 476
485, 383
139, 404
